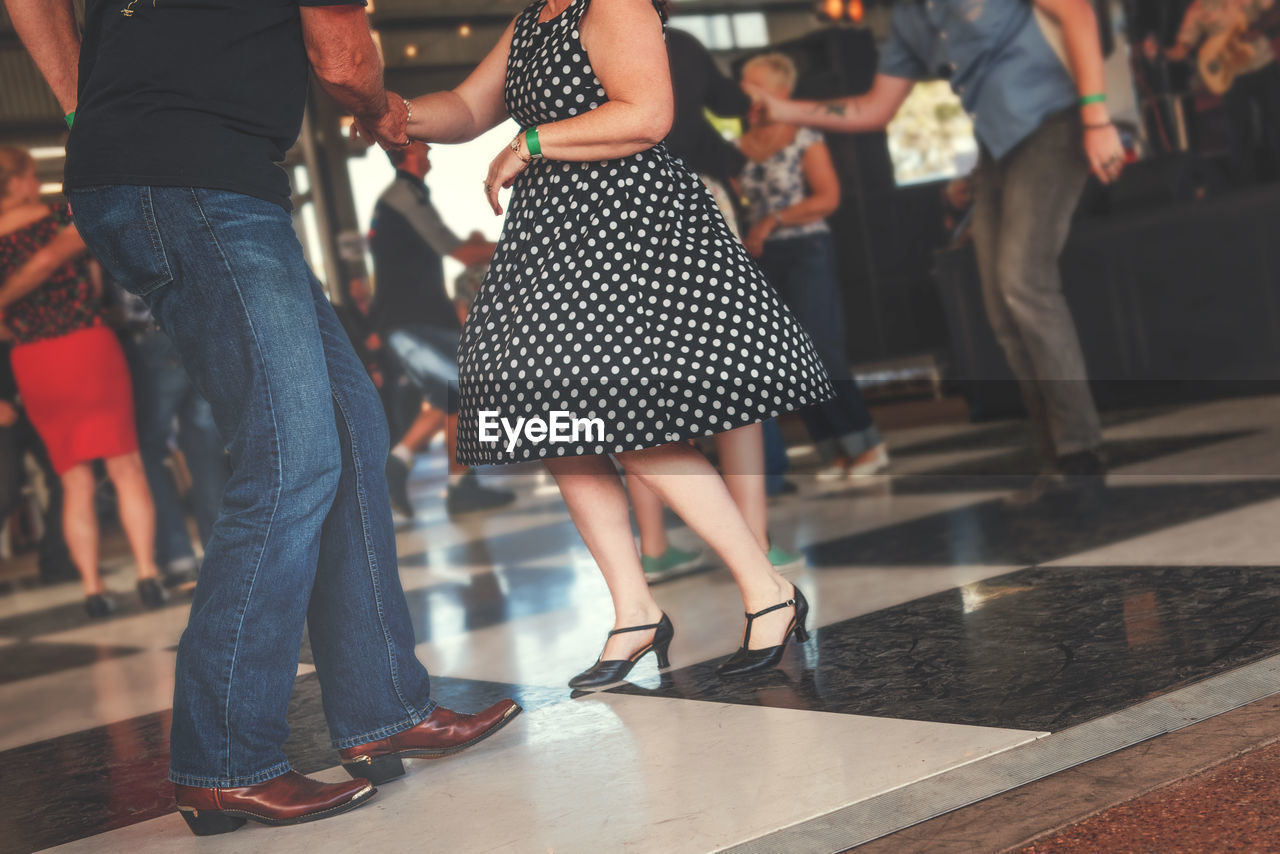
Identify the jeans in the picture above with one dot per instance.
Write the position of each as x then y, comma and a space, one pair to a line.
803, 272
1022, 213
305, 533
162, 391
429, 357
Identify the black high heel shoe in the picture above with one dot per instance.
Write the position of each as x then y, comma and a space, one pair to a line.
615, 670
99, 605
152, 594
746, 661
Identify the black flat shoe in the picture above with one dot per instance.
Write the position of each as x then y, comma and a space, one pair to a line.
99, 605
747, 661
152, 593
615, 670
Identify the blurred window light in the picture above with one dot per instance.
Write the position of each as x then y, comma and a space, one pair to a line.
726, 31
931, 137
47, 152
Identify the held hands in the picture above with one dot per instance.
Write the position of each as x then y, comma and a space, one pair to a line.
389, 129
764, 106
503, 171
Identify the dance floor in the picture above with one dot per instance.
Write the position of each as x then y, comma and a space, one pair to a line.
962, 647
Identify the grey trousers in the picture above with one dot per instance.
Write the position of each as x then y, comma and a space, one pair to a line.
1023, 205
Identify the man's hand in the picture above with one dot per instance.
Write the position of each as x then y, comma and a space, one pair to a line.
8, 414
477, 250
390, 128
1105, 151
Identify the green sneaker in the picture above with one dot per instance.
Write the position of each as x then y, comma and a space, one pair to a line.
781, 557
668, 564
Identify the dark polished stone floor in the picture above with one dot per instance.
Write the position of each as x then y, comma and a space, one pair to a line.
24, 660
1011, 465
1040, 649
99, 779
994, 533
1005, 434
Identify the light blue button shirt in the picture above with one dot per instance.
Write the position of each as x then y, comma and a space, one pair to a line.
996, 57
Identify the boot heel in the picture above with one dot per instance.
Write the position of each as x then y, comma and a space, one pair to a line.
377, 770
661, 652
206, 823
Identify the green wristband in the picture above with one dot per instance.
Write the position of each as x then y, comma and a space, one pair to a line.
1086, 100
532, 143
70, 117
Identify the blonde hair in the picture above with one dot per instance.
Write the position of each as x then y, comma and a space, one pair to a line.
13, 162
778, 63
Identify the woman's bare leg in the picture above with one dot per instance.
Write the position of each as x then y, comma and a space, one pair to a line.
742, 464
137, 511
597, 504
684, 479
649, 518
80, 525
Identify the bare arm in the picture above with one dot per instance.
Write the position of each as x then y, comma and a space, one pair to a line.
870, 112
48, 29
1102, 143
66, 246
346, 62
629, 55
824, 189
822, 201
1084, 50
477, 105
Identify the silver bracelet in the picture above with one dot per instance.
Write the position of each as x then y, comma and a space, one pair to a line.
408, 107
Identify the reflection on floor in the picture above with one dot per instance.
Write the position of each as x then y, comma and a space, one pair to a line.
950, 628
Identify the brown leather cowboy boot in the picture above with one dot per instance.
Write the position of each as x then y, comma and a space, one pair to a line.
442, 733
288, 799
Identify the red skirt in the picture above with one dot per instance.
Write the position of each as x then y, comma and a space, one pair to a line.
77, 393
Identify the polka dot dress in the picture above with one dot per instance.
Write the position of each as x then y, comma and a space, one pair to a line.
619, 312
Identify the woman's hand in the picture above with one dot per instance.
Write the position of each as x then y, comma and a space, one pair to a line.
1105, 151
758, 234
503, 171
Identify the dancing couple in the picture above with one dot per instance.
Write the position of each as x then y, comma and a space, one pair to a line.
617, 293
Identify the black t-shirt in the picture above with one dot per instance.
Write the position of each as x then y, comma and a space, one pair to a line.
408, 241
699, 83
190, 93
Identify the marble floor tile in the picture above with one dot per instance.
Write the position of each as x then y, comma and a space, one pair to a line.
1037, 649
620, 774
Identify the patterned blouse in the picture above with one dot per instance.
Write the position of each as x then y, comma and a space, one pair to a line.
778, 183
66, 302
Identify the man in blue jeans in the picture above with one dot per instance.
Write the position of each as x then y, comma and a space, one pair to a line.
182, 111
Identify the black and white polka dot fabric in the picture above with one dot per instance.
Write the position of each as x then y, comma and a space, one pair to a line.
619, 310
